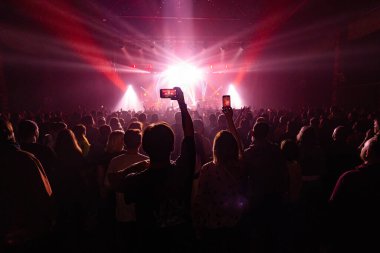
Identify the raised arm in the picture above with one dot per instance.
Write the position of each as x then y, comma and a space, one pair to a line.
187, 123
187, 156
231, 127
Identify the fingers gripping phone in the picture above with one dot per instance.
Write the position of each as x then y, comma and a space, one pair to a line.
226, 101
168, 93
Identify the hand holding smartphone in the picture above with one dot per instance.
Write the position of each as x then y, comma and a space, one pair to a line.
168, 93
227, 110
226, 101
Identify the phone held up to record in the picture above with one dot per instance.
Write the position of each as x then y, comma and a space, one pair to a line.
168, 93
226, 101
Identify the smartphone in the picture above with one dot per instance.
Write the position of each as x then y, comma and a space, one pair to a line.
226, 100
168, 93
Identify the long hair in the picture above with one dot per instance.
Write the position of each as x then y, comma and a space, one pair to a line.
225, 149
79, 132
66, 145
115, 141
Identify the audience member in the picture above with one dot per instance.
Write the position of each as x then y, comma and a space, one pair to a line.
126, 230
28, 136
26, 214
355, 204
162, 192
221, 196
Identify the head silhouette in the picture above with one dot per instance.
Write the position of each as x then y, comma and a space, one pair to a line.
115, 142
158, 141
370, 153
340, 134
132, 139
225, 148
27, 131
307, 136
260, 130
6, 131
66, 144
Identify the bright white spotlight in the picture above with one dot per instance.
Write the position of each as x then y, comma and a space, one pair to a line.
130, 100
183, 74
235, 97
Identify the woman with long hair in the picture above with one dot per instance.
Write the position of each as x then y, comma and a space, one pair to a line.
106, 205
70, 185
220, 199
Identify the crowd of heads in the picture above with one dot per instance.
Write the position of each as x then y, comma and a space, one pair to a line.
310, 137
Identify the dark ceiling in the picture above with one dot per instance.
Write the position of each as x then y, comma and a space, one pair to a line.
206, 21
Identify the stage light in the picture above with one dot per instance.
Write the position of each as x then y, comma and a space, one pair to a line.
130, 101
235, 97
183, 74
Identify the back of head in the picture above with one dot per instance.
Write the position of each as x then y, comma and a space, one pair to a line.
260, 119
340, 134
154, 118
134, 119
142, 117
66, 144
6, 131
222, 121
79, 130
105, 131
225, 148
212, 118
101, 121
136, 125
88, 120
158, 141
198, 126
260, 130
115, 124
370, 153
115, 141
178, 117
27, 130
132, 138
307, 136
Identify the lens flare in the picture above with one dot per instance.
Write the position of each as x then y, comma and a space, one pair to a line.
187, 77
184, 74
236, 101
